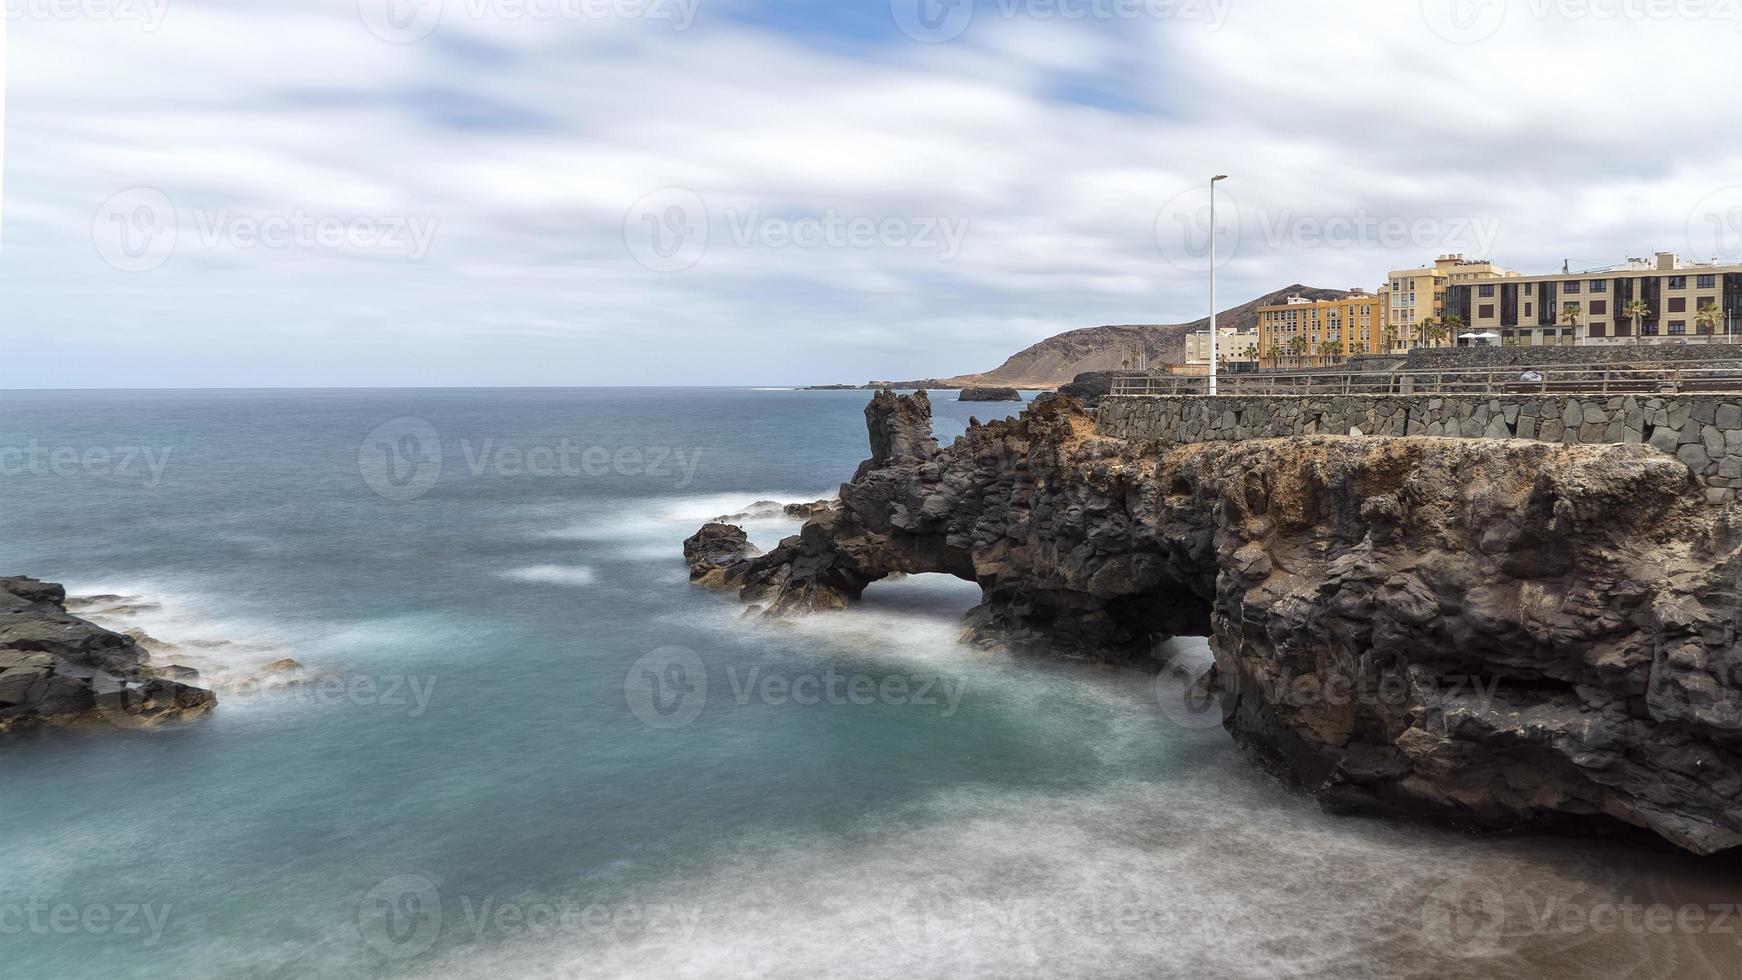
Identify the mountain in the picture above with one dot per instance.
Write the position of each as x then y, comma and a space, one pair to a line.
1057, 360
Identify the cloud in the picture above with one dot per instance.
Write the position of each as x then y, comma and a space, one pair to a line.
525, 143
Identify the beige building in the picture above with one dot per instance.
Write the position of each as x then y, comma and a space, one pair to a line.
1678, 303
1415, 295
1231, 346
1309, 331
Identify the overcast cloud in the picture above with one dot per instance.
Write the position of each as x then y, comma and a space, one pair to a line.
554, 192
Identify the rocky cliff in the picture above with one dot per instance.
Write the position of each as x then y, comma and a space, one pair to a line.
1499, 633
57, 669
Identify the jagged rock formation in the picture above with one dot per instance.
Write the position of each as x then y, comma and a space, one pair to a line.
57, 669
1501, 633
989, 394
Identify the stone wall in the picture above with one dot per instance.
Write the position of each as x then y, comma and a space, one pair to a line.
1483, 357
1703, 431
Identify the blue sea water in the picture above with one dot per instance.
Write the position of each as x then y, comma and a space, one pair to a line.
526, 746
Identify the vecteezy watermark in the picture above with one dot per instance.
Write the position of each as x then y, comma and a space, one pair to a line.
403, 916
401, 459
143, 463
1189, 689
408, 21
1715, 226
938, 21
139, 229
1186, 223
1481, 909
669, 230
45, 917
1473, 21
941, 913
148, 14
410, 693
1364, 229
669, 687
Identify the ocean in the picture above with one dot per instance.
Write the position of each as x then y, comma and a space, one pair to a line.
524, 745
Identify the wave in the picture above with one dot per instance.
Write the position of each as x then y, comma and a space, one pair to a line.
575, 575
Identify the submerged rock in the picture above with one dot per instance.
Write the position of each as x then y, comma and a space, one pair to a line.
1503, 634
57, 669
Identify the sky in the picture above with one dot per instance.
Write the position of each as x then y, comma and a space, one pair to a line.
315, 193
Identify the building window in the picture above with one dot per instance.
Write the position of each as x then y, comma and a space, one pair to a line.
1648, 330
1677, 328
1599, 330
1485, 311
1570, 288
1705, 301
1623, 329
1599, 285
1678, 282
1487, 289
1527, 309
1678, 304
1528, 287
1707, 282
1599, 307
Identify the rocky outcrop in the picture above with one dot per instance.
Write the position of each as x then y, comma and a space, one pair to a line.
1500, 633
989, 394
57, 669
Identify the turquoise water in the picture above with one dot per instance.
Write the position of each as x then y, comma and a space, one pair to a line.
528, 747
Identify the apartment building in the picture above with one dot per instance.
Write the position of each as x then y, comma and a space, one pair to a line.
1334, 328
1420, 294
1231, 345
1681, 303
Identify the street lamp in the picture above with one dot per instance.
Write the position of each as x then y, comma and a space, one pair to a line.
1213, 338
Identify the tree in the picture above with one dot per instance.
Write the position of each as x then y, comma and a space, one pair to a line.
1571, 314
1328, 350
1390, 338
1709, 319
1433, 333
1636, 311
1423, 330
1453, 324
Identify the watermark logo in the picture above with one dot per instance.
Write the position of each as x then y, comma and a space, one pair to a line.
933, 913
1464, 21
667, 231
668, 688
400, 21
401, 459
148, 14
401, 917
1466, 916
1364, 229
138, 230
135, 230
938, 21
1185, 690
932, 21
670, 230
1184, 230
1715, 226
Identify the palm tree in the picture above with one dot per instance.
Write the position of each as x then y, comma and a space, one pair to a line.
1297, 346
1328, 350
1390, 338
1453, 324
1423, 329
1636, 311
1571, 314
1709, 318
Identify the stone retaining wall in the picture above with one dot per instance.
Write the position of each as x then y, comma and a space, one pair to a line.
1703, 431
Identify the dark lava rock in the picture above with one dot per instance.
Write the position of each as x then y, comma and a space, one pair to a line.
989, 395
57, 669
1502, 634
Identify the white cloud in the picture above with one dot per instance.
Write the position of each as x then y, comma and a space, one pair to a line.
528, 142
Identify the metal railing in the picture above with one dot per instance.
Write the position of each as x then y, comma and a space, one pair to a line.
1723, 376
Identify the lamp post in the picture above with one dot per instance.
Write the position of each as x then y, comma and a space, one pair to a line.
1213, 337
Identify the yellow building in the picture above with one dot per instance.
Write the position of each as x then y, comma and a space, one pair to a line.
1316, 331
1420, 294
1680, 303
